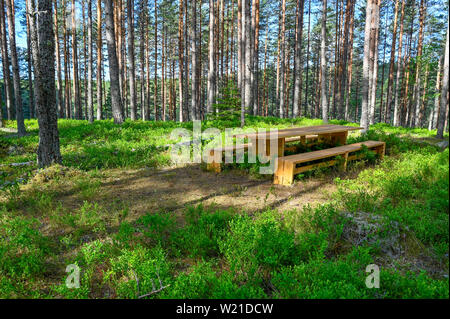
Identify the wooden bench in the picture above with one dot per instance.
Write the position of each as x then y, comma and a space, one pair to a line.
286, 168
215, 154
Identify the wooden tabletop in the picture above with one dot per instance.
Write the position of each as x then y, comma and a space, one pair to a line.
300, 131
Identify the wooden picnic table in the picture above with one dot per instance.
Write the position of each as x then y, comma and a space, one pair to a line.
332, 134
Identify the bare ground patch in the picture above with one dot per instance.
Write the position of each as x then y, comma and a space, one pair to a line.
173, 189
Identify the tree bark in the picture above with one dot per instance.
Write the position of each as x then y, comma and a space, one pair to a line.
417, 84
392, 62
297, 99
155, 90
30, 62
15, 68
180, 59
282, 58
194, 60
99, 60
323, 63
76, 85
396, 120
5, 63
131, 68
434, 113
211, 87
444, 92
116, 102
43, 42
369, 49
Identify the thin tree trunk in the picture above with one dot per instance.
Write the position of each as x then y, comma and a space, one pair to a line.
396, 120
155, 90
374, 65
297, 99
344, 56
308, 110
131, 69
392, 60
90, 96
75, 87
323, 63
30, 62
350, 64
15, 68
194, 87
211, 87
116, 102
180, 59
99, 60
434, 114
444, 93
282, 58
369, 46
380, 118
44, 67
5, 63
416, 120
255, 88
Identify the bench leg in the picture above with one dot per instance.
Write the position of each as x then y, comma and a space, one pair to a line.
381, 150
344, 164
284, 175
288, 173
214, 160
278, 175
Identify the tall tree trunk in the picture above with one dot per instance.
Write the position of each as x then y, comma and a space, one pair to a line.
90, 96
248, 55
155, 90
44, 67
396, 120
374, 65
99, 60
344, 56
116, 102
323, 63
30, 62
282, 58
369, 50
392, 60
255, 55
5, 63
265, 88
15, 68
348, 83
297, 99
308, 111
444, 93
211, 87
424, 96
76, 85
381, 114
416, 119
131, 69
180, 59
194, 58
434, 113
146, 49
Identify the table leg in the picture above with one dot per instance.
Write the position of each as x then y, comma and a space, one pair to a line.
339, 138
281, 145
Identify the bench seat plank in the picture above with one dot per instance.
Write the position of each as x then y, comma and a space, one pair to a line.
286, 165
335, 151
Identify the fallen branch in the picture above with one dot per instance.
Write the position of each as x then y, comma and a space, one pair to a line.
18, 164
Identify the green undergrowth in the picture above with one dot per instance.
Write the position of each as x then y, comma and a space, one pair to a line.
391, 213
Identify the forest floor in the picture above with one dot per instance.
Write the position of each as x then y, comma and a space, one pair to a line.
120, 210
